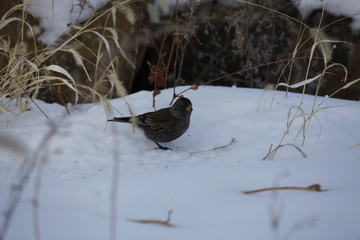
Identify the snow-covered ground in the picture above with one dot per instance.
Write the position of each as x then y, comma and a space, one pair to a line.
80, 160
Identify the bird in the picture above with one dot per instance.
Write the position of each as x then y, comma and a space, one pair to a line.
163, 125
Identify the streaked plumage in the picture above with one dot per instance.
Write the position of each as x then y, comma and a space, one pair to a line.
164, 125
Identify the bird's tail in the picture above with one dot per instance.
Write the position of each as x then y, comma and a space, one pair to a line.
120, 119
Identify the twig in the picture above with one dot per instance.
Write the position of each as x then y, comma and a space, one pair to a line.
165, 223
32, 100
216, 148
313, 187
272, 153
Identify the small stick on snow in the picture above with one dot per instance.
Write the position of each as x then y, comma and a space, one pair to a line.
313, 187
216, 148
165, 223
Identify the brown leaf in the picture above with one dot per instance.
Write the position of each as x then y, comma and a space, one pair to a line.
157, 75
195, 87
156, 92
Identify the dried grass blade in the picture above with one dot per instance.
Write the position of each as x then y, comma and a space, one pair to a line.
115, 37
61, 70
300, 84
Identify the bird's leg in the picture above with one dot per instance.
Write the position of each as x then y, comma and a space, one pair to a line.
162, 147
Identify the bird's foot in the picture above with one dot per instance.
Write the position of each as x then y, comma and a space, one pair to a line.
162, 147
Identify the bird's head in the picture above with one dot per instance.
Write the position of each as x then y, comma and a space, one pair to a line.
182, 107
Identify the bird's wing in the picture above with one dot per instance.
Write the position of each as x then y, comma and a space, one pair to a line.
156, 120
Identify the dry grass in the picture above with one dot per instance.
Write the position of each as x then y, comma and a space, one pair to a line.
27, 71
323, 45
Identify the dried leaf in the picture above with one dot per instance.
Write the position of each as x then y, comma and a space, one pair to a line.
158, 75
195, 87
156, 92
299, 84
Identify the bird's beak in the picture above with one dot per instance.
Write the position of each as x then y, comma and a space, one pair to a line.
189, 108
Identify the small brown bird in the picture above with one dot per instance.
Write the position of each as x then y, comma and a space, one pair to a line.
163, 125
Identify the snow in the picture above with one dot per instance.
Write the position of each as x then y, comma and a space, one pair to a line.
56, 15
204, 189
